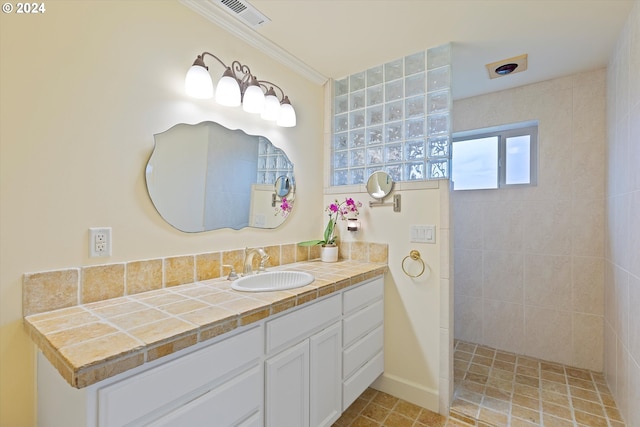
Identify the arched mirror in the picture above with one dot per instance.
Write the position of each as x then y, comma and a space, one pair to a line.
379, 185
205, 177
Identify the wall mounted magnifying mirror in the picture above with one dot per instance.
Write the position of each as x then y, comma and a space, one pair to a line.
205, 177
379, 186
282, 187
283, 193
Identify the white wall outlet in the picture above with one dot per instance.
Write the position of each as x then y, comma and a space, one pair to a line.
100, 242
423, 233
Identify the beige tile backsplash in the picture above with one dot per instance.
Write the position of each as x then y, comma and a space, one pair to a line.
143, 276
102, 282
179, 270
51, 290
208, 266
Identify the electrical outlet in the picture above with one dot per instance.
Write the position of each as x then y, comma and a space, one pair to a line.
100, 242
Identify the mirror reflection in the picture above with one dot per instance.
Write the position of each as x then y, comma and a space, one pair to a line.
205, 177
379, 185
282, 186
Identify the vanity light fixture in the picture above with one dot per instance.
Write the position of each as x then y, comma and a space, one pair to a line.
238, 86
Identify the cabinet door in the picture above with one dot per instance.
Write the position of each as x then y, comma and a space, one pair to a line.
287, 388
325, 376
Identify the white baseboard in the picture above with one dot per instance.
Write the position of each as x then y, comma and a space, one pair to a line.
408, 390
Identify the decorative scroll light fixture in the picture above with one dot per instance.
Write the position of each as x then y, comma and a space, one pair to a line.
238, 86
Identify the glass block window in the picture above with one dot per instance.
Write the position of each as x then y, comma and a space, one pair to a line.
394, 117
272, 163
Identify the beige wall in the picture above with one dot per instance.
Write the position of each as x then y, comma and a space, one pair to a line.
413, 347
622, 264
529, 263
83, 89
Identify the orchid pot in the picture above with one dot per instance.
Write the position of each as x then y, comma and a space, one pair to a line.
329, 253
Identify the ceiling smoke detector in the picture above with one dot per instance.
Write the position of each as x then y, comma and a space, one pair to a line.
505, 67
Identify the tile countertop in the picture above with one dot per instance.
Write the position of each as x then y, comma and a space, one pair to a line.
91, 342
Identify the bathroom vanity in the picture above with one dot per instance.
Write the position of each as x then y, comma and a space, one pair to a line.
302, 366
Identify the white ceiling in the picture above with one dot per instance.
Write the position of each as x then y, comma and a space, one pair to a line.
341, 37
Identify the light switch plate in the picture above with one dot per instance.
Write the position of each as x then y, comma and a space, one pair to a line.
423, 233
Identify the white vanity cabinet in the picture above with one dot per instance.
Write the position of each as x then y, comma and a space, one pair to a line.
299, 368
220, 384
303, 382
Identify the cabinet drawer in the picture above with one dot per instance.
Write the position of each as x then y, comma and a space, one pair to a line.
363, 295
294, 327
358, 383
229, 404
363, 350
156, 389
361, 322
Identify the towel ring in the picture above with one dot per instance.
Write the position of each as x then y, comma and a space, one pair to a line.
414, 255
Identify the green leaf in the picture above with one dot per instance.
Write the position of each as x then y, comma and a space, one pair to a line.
311, 243
328, 232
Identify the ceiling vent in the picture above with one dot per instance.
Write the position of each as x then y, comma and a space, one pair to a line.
244, 12
507, 66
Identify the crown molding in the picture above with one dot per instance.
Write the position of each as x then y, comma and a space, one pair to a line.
215, 14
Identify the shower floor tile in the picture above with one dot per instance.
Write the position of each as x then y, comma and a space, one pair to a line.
496, 388
499, 389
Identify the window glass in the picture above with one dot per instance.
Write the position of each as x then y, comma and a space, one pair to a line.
475, 164
518, 160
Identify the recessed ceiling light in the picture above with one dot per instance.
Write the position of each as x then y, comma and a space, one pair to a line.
505, 67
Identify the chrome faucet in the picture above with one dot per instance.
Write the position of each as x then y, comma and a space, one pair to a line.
248, 260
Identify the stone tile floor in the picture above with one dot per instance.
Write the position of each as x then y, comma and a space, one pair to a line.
499, 389
377, 409
496, 388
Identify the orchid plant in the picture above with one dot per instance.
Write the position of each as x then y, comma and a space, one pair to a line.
336, 210
285, 207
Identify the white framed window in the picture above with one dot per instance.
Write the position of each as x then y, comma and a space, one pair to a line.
494, 158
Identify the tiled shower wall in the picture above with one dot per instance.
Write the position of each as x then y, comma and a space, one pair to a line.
622, 264
529, 261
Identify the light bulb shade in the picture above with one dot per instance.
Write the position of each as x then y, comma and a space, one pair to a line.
271, 107
198, 82
253, 101
287, 117
228, 90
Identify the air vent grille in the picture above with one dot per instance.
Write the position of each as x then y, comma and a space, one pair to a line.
234, 5
244, 12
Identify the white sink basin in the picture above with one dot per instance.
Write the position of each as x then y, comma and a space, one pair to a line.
273, 281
